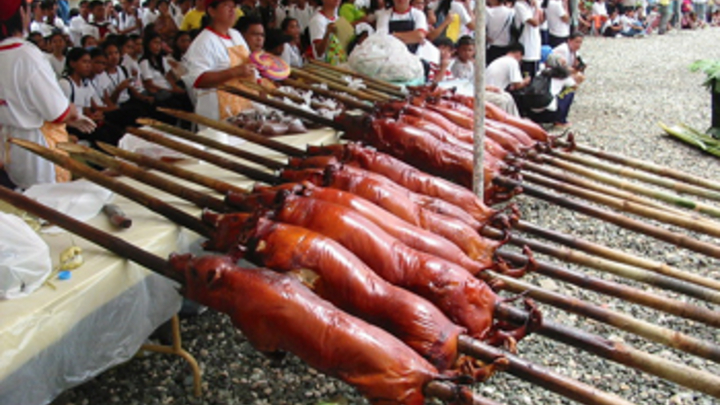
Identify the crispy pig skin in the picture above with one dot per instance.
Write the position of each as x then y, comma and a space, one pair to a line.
277, 313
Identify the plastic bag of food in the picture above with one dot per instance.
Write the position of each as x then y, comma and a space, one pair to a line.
387, 58
24, 258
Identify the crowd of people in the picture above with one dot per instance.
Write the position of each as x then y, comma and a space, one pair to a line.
103, 64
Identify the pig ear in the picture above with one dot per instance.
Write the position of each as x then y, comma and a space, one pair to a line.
213, 279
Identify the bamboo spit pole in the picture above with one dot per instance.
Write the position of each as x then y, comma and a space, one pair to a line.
154, 263
212, 143
202, 200
299, 112
648, 167
617, 255
566, 177
661, 195
620, 220
527, 371
634, 174
275, 93
627, 293
334, 85
322, 76
620, 353
348, 101
628, 323
619, 269
217, 160
235, 131
379, 84
171, 169
112, 243
152, 203
705, 226
340, 78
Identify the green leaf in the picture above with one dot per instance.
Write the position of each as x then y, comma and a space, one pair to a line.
711, 68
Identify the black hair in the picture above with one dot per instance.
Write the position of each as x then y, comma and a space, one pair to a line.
111, 38
155, 61
443, 41
74, 55
55, 33
96, 52
35, 37
286, 23
516, 47
74, 13
84, 39
465, 40
176, 51
83, 2
159, 2
47, 5
274, 38
133, 37
246, 22
116, 43
443, 8
120, 41
576, 34
95, 3
11, 26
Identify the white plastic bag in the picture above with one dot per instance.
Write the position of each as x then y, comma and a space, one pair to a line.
385, 57
24, 258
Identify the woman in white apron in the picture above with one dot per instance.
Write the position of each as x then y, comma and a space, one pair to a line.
32, 105
217, 56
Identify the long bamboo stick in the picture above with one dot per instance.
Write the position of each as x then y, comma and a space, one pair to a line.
152, 203
174, 170
202, 200
655, 333
620, 220
323, 76
649, 167
661, 195
341, 79
112, 243
705, 226
333, 85
617, 255
277, 104
206, 156
619, 352
202, 140
368, 84
638, 175
380, 83
627, 293
574, 390
235, 131
566, 177
348, 101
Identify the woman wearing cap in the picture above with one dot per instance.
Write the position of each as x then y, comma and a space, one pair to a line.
32, 105
217, 56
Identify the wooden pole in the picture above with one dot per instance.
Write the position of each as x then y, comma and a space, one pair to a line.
479, 89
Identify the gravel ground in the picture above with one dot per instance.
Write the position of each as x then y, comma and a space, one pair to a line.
632, 84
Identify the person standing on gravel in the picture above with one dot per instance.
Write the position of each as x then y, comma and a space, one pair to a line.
528, 18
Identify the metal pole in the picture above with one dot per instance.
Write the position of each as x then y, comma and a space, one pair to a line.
479, 88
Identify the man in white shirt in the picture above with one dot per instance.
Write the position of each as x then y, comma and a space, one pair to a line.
149, 13
128, 19
558, 20
322, 26
529, 17
78, 22
302, 12
631, 27
504, 72
98, 28
498, 22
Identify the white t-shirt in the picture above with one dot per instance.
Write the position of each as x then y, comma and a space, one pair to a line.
82, 95
498, 22
149, 16
292, 55
384, 18
76, 29
503, 72
302, 16
530, 37
29, 96
456, 8
94, 31
127, 21
208, 53
317, 27
109, 82
627, 23
563, 51
462, 70
554, 14
42, 27
599, 8
157, 77
58, 65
